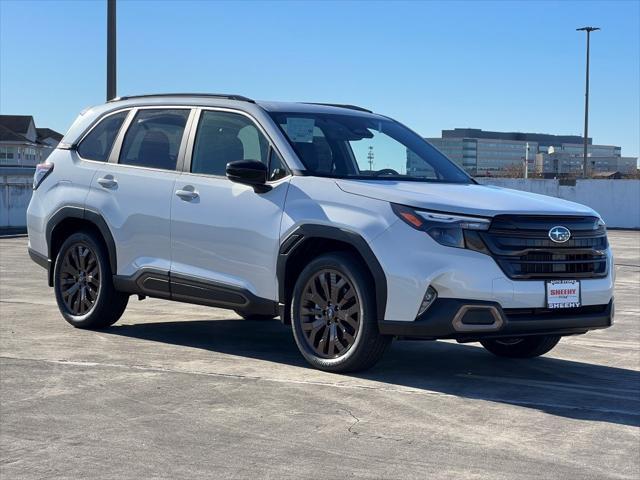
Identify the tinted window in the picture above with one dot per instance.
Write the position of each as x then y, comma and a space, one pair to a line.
224, 137
153, 139
366, 147
97, 144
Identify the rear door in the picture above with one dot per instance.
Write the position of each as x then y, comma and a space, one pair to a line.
133, 191
222, 232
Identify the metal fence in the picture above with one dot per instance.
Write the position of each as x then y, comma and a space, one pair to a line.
618, 201
15, 194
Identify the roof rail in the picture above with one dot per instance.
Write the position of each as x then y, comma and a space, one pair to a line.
350, 107
212, 95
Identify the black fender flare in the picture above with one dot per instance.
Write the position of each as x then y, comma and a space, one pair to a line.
314, 231
82, 214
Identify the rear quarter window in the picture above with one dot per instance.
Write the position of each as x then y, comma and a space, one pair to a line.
98, 143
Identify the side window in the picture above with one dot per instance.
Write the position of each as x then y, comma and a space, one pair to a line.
224, 137
153, 139
97, 144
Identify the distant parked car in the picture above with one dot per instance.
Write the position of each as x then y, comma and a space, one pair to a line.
343, 222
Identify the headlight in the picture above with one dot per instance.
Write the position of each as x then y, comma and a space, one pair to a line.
446, 229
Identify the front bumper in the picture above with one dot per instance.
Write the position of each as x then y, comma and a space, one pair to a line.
412, 261
471, 320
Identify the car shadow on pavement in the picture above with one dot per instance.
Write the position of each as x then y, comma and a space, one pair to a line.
559, 387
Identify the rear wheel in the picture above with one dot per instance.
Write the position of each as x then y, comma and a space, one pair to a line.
83, 286
521, 347
334, 317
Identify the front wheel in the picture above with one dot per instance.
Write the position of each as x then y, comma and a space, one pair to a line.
521, 347
82, 283
334, 317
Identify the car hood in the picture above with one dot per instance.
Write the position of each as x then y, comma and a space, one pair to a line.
471, 199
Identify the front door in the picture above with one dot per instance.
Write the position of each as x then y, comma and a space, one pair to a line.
224, 233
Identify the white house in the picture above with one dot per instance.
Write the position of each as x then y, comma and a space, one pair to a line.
22, 144
22, 147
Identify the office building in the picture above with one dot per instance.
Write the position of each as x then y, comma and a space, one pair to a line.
485, 153
567, 163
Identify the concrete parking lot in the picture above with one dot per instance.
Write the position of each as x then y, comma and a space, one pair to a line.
180, 391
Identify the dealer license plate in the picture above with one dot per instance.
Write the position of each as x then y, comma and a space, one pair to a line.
563, 293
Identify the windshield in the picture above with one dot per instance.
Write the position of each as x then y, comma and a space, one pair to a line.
351, 146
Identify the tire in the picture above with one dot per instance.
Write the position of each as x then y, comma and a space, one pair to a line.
249, 316
521, 347
329, 338
82, 264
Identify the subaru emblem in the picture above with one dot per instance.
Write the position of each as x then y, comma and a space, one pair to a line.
559, 234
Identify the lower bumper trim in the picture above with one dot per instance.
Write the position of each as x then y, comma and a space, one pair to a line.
443, 320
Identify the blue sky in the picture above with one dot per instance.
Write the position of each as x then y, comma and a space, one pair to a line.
432, 65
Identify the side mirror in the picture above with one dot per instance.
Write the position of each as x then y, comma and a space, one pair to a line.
249, 172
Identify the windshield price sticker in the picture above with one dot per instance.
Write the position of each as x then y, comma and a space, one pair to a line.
563, 294
300, 130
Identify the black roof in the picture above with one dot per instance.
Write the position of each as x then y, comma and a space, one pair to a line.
341, 105
17, 123
7, 135
14, 127
48, 133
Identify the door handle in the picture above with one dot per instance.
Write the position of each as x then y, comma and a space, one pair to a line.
188, 193
108, 181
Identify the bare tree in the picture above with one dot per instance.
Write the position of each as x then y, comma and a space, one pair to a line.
513, 170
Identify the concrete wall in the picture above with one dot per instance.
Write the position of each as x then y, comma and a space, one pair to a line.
15, 194
617, 201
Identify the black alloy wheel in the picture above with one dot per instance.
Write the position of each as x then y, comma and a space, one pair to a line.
334, 315
83, 283
330, 314
79, 279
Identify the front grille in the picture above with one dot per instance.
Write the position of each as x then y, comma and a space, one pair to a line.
522, 248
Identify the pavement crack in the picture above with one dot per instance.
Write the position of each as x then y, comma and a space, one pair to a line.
356, 421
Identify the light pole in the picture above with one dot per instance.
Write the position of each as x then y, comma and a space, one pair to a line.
111, 49
585, 165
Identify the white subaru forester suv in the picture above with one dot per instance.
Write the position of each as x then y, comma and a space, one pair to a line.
343, 222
